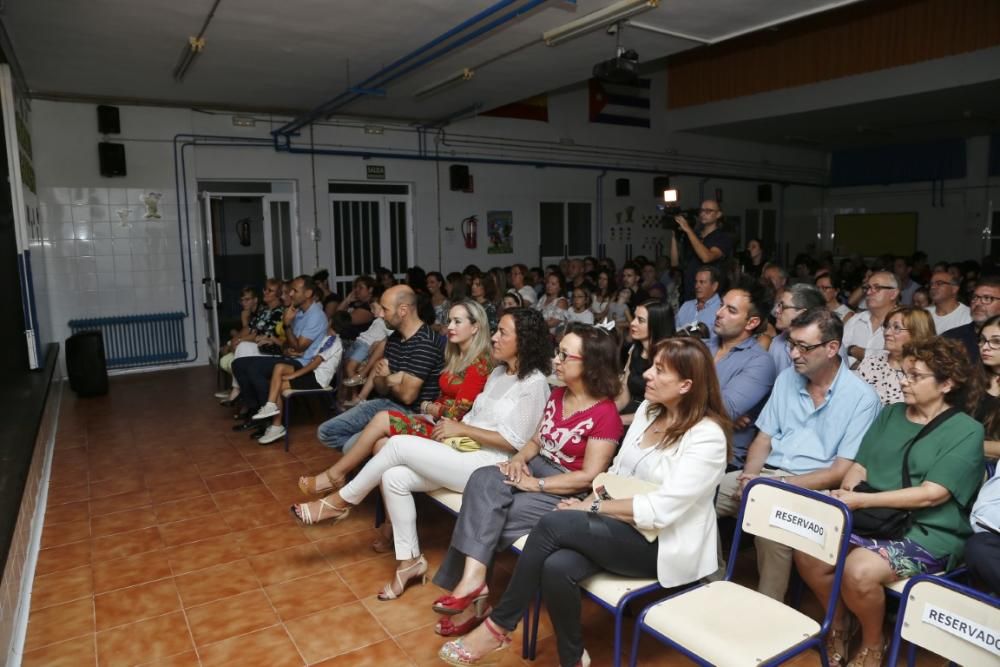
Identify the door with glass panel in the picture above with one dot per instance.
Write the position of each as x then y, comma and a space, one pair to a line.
566, 230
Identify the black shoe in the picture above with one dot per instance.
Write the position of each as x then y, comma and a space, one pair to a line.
257, 433
242, 415
229, 402
246, 426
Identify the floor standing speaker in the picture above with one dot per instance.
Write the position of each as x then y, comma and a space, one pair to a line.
86, 364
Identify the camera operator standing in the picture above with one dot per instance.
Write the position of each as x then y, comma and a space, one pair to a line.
706, 243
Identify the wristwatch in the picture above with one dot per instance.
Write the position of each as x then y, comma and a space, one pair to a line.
541, 485
595, 505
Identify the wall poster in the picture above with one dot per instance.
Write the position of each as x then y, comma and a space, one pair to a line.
500, 227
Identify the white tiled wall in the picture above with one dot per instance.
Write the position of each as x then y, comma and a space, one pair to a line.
93, 266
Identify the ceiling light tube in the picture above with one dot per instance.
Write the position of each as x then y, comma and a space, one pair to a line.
444, 84
618, 11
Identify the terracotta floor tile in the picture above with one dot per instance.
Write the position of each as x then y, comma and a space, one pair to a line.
65, 557
117, 471
59, 623
349, 548
193, 530
224, 465
258, 516
386, 652
164, 493
362, 517
265, 648
69, 474
286, 490
60, 587
121, 545
230, 617
265, 457
189, 659
77, 652
214, 583
110, 575
292, 470
251, 495
114, 486
57, 534
180, 510
144, 641
299, 561
270, 538
119, 503
122, 522
367, 577
68, 494
411, 611
206, 553
129, 605
301, 597
79, 511
233, 480
185, 472
355, 628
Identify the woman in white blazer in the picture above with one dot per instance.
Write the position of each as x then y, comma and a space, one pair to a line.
679, 442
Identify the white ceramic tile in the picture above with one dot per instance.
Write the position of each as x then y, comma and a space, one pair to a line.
86, 264
79, 196
117, 196
141, 279
118, 231
100, 213
66, 249
83, 230
87, 282
81, 213
105, 263
121, 246
99, 196
101, 230
140, 246
67, 231
123, 263
157, 262
61, 195
105, 281
123, 279
85, 248
103, 247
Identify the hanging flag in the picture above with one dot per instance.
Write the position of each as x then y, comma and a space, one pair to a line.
532, 108
620, 103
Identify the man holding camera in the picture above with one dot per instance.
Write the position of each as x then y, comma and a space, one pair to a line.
706, 243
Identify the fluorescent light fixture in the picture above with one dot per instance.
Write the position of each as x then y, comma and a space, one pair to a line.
444, 84
597, 20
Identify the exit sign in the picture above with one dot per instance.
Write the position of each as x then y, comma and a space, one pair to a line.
375, 172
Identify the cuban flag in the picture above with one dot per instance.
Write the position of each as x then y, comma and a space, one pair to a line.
620, 103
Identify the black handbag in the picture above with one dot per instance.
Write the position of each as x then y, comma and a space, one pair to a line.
887, 523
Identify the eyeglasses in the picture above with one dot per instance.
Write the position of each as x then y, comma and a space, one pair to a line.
562, 356
876, 288
912, 378
780, 306
896, 327
804, 348
708, 210
992, 343
941, 283
984, 298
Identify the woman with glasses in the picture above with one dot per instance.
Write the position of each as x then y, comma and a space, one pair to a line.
576, 440
678, 443
259, 335
825, 284
988, 412
946, 469
880, 368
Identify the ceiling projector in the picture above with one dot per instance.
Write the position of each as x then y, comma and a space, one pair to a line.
624, 68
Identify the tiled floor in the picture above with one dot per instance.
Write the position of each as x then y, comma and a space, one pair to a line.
168, 542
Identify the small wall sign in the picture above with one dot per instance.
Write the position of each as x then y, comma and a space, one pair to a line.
375, 172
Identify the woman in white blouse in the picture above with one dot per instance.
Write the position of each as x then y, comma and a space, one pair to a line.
678, 441
502, 420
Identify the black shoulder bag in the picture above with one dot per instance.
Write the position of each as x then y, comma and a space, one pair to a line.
887, 523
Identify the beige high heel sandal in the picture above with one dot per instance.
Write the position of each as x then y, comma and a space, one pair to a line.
302, 512
307, 485
417, 569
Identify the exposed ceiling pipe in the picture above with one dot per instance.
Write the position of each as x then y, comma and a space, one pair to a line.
195, 45
413, 60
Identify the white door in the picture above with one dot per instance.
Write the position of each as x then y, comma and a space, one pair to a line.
369, 231
281, 236
211, 290
567, 230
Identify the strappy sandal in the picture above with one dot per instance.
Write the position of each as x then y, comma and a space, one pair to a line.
869, 656
454, 652
838, 643
417, 569
302, 512
307, 485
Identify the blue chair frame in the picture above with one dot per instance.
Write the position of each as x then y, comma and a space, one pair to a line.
816, 641
897, 636
286, 413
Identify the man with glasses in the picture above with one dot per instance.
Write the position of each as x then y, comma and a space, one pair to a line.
792, 302
825, 284
809, 430
745, 370
984, 304
706, 243
946, 310
863, 332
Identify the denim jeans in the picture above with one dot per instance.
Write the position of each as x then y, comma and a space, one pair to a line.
342, 431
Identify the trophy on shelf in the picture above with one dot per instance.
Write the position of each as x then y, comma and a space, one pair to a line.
152, 202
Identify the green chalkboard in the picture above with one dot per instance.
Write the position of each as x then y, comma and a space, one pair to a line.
874, 234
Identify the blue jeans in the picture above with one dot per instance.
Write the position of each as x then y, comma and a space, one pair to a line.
342, 431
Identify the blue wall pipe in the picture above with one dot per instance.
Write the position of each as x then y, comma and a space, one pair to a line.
377, 80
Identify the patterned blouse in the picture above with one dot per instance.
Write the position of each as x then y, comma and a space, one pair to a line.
458, 393
876, 371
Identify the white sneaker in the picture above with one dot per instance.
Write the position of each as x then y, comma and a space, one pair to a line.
271, 434
221, 394
269, 410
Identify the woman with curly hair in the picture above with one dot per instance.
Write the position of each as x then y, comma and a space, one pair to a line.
904, 325
946, 468
503, 418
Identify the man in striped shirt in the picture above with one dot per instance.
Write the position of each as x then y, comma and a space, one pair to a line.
404, 377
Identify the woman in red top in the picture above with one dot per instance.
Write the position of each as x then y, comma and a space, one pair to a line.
468, 363
576, 440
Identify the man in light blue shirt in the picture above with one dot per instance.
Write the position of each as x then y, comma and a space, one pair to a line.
703, 307
982, 549
809, 430
746, 372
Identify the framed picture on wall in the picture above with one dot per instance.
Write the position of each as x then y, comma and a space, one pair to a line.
500, 229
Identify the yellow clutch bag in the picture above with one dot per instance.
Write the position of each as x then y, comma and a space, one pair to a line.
463, 444
609, 486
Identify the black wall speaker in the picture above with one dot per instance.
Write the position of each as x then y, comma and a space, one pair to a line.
112, 158
108, 121
622, 187
764, 193
660, 183
458, 176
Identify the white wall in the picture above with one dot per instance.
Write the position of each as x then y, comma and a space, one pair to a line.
94, 267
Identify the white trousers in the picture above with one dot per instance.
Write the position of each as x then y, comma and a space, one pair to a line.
409, 463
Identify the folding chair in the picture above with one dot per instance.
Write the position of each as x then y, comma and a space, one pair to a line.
724, 623
286, 413
948, 619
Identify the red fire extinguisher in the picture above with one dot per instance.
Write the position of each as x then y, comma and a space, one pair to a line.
469, 231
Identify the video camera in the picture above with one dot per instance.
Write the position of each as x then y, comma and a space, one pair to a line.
671, 208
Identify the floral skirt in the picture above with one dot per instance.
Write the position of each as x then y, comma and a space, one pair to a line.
905, 557
402, 423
